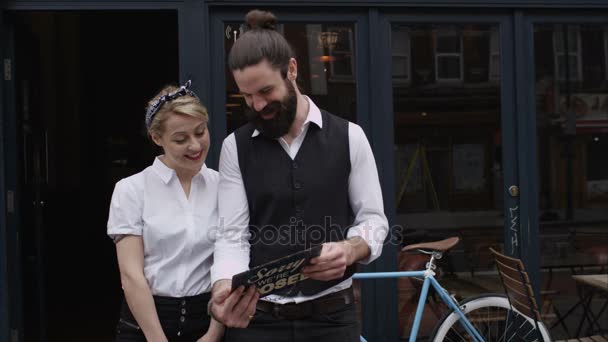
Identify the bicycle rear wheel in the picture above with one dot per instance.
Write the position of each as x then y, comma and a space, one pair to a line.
494, 319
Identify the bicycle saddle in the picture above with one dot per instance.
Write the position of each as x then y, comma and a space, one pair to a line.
435, 246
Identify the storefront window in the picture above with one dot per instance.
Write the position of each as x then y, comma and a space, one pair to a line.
447, 134
326, 68
572, 120
572, 141
448, 154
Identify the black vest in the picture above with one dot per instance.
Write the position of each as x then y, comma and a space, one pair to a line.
296, 204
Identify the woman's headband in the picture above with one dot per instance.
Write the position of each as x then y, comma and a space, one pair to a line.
154, 107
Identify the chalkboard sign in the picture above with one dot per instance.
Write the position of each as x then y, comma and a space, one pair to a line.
279, 274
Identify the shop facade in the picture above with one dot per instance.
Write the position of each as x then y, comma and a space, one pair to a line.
488, 120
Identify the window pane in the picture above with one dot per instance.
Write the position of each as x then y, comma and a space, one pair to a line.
469, 162
449, 67
495, 67
448, 43
400, 41
494, 42
572, 37
400, 67
572, 69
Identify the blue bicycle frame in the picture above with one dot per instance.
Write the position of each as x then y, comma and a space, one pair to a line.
429, 279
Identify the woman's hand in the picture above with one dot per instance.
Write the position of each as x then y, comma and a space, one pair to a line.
215, 332
211, 336
130, 254
208, 338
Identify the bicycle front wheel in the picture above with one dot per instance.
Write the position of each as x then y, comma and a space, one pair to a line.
493, 318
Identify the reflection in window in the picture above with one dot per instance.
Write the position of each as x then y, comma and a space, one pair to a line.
494, 56
326, 68
572, 121
606, 51
567, 61
572, 140
447, 148
469, 162
597, 168
400, 42
448, 56
342, 63
446, 133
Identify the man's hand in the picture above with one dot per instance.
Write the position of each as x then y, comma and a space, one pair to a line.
235, 309
335, 258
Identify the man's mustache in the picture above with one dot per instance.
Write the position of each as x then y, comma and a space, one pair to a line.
270, 108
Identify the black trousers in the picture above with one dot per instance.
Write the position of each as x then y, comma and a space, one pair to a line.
337, 326
182, 319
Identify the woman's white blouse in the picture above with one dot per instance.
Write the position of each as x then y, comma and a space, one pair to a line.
178, 232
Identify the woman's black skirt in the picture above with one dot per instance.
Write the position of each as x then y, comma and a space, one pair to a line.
183, 319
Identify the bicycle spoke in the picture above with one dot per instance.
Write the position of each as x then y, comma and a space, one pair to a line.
504, 334
461, 337
450, 339
528, 333
492, 318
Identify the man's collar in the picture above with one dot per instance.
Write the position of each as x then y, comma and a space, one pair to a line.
314, 116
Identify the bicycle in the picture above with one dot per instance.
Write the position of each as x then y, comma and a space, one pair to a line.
487, 317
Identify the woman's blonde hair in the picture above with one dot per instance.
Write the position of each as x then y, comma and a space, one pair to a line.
188, 104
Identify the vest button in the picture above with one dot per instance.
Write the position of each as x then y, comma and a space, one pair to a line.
297, 185
294, 165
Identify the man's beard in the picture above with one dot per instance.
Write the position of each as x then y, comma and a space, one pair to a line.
285, 113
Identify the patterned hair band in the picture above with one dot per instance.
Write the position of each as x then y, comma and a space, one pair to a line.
154, 107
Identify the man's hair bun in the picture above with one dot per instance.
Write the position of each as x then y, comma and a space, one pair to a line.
257, 19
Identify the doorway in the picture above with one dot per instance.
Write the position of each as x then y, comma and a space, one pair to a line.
82, 80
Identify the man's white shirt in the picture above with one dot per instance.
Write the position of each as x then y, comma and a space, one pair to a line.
232, 245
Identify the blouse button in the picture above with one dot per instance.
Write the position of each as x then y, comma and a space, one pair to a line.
183, 311
182, 319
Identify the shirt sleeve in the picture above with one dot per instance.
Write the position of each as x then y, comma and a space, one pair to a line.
231, 254
126, 210
365, 194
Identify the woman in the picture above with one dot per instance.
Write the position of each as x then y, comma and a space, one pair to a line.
163, 221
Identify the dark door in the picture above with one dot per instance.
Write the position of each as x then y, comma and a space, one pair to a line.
8, 286
80, 99
34, 172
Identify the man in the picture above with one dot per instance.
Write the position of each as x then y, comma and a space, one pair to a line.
291, 178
